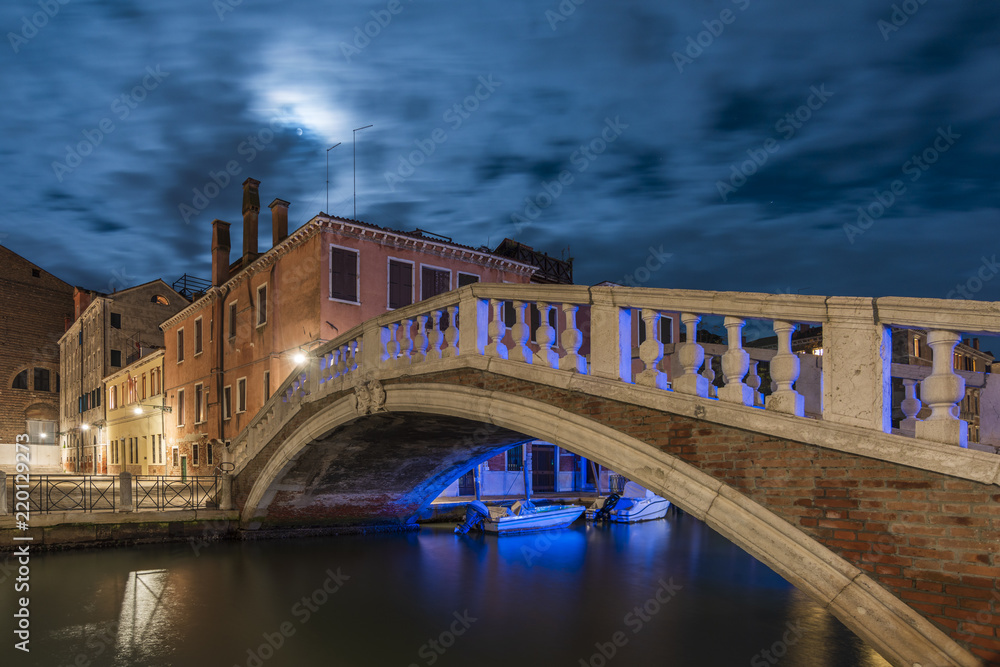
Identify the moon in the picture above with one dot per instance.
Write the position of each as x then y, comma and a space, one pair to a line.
299, 131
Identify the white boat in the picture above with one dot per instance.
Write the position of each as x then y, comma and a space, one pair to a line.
635, 504
522, 517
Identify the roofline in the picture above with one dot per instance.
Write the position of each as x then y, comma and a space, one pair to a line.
318, 224
111, 297
140, 360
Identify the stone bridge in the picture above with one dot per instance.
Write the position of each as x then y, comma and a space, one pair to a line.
896, 535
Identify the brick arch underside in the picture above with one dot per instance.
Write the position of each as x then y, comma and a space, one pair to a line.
721, 475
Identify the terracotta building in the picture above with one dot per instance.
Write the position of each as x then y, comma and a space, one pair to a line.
227, 351
34, 309
108, 333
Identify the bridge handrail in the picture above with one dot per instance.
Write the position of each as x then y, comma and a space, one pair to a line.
856, 368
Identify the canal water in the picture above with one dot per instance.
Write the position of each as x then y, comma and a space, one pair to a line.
669, 592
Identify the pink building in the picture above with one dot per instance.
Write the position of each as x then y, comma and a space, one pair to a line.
230, 349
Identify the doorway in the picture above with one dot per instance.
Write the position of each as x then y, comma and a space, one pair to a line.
543, 468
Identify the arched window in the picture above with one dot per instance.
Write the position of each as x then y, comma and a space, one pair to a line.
21, 380
160, 299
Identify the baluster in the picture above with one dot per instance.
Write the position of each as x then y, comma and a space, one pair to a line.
691, 355
497, 329
753, 381
941, 391
545, 335
735, 364
520, 333
709, 374
910, 405
651, 352
405, 342
341, 366
572, 340
451, 334
355, 359
391, 344
420, 341
784, 372
436, 336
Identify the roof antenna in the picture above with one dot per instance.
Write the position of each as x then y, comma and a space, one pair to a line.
328, 175
356, 168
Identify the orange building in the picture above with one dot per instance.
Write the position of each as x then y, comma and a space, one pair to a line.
229, 350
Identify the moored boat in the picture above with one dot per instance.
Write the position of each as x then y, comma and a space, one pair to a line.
522, 517
634, 504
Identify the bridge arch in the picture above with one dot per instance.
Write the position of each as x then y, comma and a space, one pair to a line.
899, 633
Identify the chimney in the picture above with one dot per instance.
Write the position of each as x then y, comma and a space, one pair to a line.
251, 207
220, 252
81, 299
279, 221
975, 343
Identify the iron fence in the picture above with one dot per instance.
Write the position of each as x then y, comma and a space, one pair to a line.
176, 493
103, 493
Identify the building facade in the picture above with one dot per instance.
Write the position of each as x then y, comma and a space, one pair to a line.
35, 307
136, 419
110, 331
229, 350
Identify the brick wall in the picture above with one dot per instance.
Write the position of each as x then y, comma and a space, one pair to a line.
33, 312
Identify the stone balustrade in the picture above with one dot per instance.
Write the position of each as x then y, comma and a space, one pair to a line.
596, 334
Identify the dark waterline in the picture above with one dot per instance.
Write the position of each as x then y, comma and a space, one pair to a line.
554, 599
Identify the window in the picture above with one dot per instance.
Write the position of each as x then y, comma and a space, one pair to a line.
142, 391
400, 283
209, 454
241, 395
180, 345
42, 379
199, 403
116, 358
262, 305
20, 380
160, 300
434, 281
666, 330
197, 336
267, 385
116, 320
343, 274
113, 398
194, 454
41, 432
180, 407
232, 320
174, 458
515, 461
916, 346
227, 402
467, 279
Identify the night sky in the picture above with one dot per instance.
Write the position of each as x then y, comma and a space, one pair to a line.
737, 137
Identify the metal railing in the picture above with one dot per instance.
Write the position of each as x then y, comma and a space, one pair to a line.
104, 493
176, 493
71, 493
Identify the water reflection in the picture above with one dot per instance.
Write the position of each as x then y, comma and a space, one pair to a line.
668, 592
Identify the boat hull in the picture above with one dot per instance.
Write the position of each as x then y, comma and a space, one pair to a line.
545, 518
646, 510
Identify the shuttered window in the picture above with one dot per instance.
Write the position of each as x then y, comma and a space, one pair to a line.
343, 274
400, 284
433, 282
